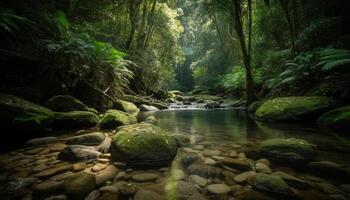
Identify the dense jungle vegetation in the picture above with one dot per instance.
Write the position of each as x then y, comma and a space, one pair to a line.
243, 49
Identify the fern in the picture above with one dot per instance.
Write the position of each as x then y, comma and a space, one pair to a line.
333, 58
10, 22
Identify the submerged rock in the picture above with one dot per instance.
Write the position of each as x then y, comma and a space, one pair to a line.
89, 139
78, 153
337, 119
74, 120
22, 115
291, 149
65, 103
115, 118
299, 108
143, 144
271, 183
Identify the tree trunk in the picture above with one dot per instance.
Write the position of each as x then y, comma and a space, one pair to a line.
236, 14
284, 5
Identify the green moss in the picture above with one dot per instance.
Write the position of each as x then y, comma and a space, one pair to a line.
75, 120
271, 183
126, 107
142, 143
65, 103
136, 100
338, 118
23, 115
294, 108
114, 118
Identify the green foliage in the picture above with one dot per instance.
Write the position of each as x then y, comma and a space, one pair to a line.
10, 22
236, 79
333, 58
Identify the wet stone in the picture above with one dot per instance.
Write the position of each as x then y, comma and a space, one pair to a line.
145, 177
218, 188
79, 166
52, 171
236, 164
98, 167
202, 182
209, 152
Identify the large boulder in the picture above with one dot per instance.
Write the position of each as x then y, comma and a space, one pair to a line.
115, 118
65, 103
287, 150
78, 153
125, 106
74, 120
22, 115
143, 145
299, 108
337, 119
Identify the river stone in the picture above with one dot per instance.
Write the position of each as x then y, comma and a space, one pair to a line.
182, 140
287, 150
298, 108
115, 118
210, 152
145, 177
104, 175
254, 195
147, 194
270, 183
336, 119
143, 145
78, 153
177, 174
330, 169
77, 186
20, 115
151, 119
89, 139
144, 107
199, 180
181, 190
65, 103
108, 196
109, 188
52, 171
261, 167
236, 164
244, 177
218, 188
74, 120
48, 187
125, 106
79, 166
206, 171
209, 161
57, 197
41, 141
93, 195
98, 167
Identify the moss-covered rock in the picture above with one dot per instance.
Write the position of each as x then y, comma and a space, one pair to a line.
254, 106
271, 184
74, 120
287, 150
23, 115
135, 100
143, 145
337, 119
65, 103
300, 108
125, 106
115, 118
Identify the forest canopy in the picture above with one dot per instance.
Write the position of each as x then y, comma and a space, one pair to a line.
240, 48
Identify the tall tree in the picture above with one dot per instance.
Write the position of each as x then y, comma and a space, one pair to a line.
236, 12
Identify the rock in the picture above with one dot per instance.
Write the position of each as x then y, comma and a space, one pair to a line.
151, 119
182, 140
145, 177
254, 195
291, 180
108, 196
127, 107
20, 115
41, 141
57, 147
209, 152
57, 197
136, 100
329, 169
312, 195
48, 187
202, 182
244, 177
181, 190
299, 108
329, 188
52, 171
17, 187
92, 195
77, 186
177, 174
205, 170
271, 183
98, 167
212, 104
336, 119
143, 145
89, 139
120, 176
218, 189
261, 167
109, 189
198, 147
104, 175
146, 194
236, 164
264, 161
188, 158
144, 107
209, 161
65, 103
115, 118
78, 153
159, 105
128, 189
287, 150
105, 145
79, 166
254, 106
74, 120
233, 154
